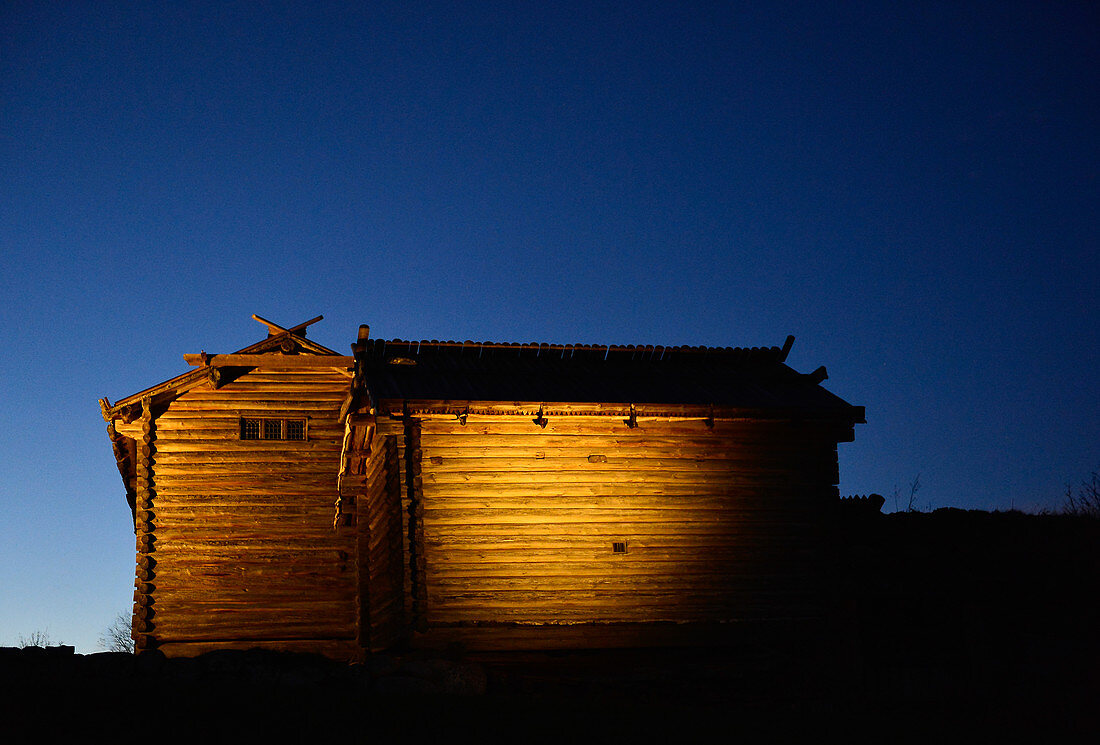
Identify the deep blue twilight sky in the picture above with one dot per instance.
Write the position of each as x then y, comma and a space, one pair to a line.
911, 189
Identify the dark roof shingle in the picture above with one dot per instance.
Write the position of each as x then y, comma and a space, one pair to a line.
746, 378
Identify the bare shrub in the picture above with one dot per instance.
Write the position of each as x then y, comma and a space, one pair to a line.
116, 637
914, 487
1085, 501
36, 639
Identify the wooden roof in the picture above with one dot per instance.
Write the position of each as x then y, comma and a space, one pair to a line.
753, 381
283, 347
748, 379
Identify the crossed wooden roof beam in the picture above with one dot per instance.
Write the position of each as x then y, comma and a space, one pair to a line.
246, 359
274, 329
251, 356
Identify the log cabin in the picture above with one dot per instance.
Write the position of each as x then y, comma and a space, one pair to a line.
490, 495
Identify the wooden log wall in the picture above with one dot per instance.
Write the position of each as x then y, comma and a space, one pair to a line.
517, 522
246, 551
380, 549
393, 428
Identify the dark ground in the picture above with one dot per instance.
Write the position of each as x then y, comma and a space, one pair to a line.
949, 625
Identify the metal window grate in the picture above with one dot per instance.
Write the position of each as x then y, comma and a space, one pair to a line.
250, 429
618, 547
273, 429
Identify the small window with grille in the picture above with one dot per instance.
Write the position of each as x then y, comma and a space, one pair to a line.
295, 429
272, 429
250, 429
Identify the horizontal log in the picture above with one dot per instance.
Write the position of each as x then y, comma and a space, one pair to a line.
262, 491
293, 396
578, 496
567, 425
473, 541
641, 461
178, 529
615, 427
298, 491
716, 557
428, 410
235, 504
438, 493
583, 611
196, 556
293, 448
568, 480
245, 459
701, 436
275, 385
624, 583
275, 526
726, 614
750, 567
271, 361
257, 581
627, 587
269, 405
338, 649
580, 600
290, 565
730, 517
322, 478
232, 627
621, 528
255, 600
694, 603
175, 600
306, 466
579, 453
214, 538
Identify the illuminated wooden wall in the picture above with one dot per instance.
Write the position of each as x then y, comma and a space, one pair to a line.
244, 553
513, 526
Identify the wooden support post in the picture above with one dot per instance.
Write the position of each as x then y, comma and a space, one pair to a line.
417, 563
144, 573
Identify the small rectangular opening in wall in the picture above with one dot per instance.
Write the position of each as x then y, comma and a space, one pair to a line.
256, 428
618, 547
250, 429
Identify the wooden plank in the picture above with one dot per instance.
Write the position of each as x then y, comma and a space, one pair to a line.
338, 649
611, 424
297, 448
597, 489
271, 361
572, 476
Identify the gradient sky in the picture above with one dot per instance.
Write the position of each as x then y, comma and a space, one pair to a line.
910, 189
